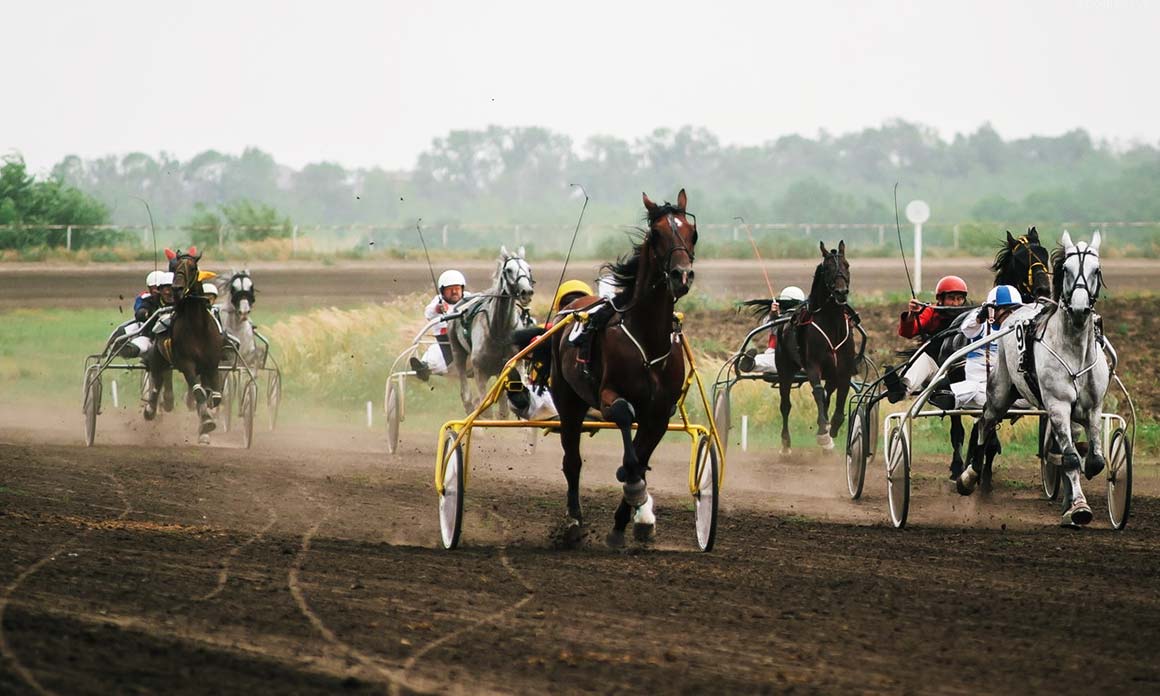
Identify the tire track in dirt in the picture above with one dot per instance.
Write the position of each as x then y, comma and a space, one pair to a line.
492, 618
224, 573
6, 651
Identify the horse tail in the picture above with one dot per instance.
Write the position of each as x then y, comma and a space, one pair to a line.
758, 308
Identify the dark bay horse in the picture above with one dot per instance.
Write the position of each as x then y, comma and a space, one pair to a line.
819, 340
636, 367
193, 347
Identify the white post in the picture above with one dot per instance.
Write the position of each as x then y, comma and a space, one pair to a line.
735, 236
744, 433
881, 235
518, 240
145, 236
955, 237
917, 257
294, 240
445, 236
370, 414
68, 239
115, 402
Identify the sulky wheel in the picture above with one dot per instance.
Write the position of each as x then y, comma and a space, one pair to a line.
708, 488
451, 500
274, 397
1049, 472
92, 403
1119, 479
226, 407
857, 446
721, 415
246, 411
392, 407
872, 424
898, 476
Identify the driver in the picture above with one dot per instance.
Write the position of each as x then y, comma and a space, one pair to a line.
921, 320
141, 304
790, 297
1001, 301
452, 289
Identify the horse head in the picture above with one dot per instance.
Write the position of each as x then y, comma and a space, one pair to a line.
1022, 262
242, 293
185, 274
1078, 278
671, 240
515, 275
832, 276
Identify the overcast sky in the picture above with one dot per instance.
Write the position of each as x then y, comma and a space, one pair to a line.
372, 83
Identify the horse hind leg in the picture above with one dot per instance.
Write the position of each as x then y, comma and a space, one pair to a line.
620, 412
784, 388
823, 433
1094, 462
149, 396
957, 436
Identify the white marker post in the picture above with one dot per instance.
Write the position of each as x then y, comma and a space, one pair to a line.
115, 404
917, 212
370, 414
744, 433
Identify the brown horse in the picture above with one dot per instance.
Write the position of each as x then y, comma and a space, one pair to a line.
635, 370
193, 347
820, 341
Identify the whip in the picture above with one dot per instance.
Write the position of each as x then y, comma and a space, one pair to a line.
430, 268
152, 231
760, 260
898, 227
568, 257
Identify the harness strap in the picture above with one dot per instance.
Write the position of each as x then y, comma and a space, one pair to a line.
640, 348
833, 348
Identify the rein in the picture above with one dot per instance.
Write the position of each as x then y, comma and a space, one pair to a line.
1032, 263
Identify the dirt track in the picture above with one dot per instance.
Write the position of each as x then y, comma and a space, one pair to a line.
308, 565
343, 284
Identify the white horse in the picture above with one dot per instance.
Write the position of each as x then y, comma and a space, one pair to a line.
483, 334
1072, 372
235, 316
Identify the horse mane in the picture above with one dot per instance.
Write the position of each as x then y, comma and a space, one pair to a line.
818, 284
1003, 257
622, 272
1058, 255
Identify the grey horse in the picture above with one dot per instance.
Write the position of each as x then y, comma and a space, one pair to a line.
1072, 372
482, 335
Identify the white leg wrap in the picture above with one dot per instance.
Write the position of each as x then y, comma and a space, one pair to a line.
644, 514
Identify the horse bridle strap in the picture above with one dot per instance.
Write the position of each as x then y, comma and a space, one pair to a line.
1081, 279
1032, 262
521, 274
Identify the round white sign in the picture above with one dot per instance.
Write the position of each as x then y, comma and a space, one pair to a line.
917, 212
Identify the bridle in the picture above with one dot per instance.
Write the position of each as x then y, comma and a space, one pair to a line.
238, 293
523, 270
1033, 262
831, 277
1081, 281
185, 269
666, 264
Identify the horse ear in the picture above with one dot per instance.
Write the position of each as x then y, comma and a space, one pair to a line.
822, 246
1033, 234
1065, 240
649, 205
842, 247
503, 251
170, 254
682, 199
1095, 245
520, 253
1010, 239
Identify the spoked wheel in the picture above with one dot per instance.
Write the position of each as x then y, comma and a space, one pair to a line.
226, 407
451, 501
1049, 472
872, 424
898, 477
274, 397
249, 401
708, 487
1119, 479
392, 418
856, 453
92, 403
721, 416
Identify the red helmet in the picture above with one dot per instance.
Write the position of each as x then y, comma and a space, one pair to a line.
950, 284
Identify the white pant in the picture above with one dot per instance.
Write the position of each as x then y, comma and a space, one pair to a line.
919, 372
541, 407
763, 362
433, 358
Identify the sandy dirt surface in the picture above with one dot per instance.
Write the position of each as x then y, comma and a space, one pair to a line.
310, 565
344, 284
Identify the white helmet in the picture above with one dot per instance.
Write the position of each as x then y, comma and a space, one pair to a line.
165, 278
153, 279
791, 292
209, 289
1004, 296
451, 277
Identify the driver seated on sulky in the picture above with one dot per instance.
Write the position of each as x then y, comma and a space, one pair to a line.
789, 299
143, 306
924, 321
1002, 300
452, 289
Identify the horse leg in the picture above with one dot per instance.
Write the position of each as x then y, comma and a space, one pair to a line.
784, 387
166, 384
1076, 511
976, 450
644, 520
839, 417
957, 434
823, 433
617, 410
149, 392
1094, 462
201, 398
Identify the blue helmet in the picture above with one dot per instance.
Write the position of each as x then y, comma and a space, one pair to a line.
1004, 296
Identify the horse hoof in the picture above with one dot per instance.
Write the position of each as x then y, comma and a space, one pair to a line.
207, 427
826, 442
643, 533
615, 539
568, 534
1093, 466
203, 439
149, 414
785, 452
965, 484
1077, 516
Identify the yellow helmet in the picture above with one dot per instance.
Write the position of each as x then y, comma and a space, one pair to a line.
205, 275
568, 288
